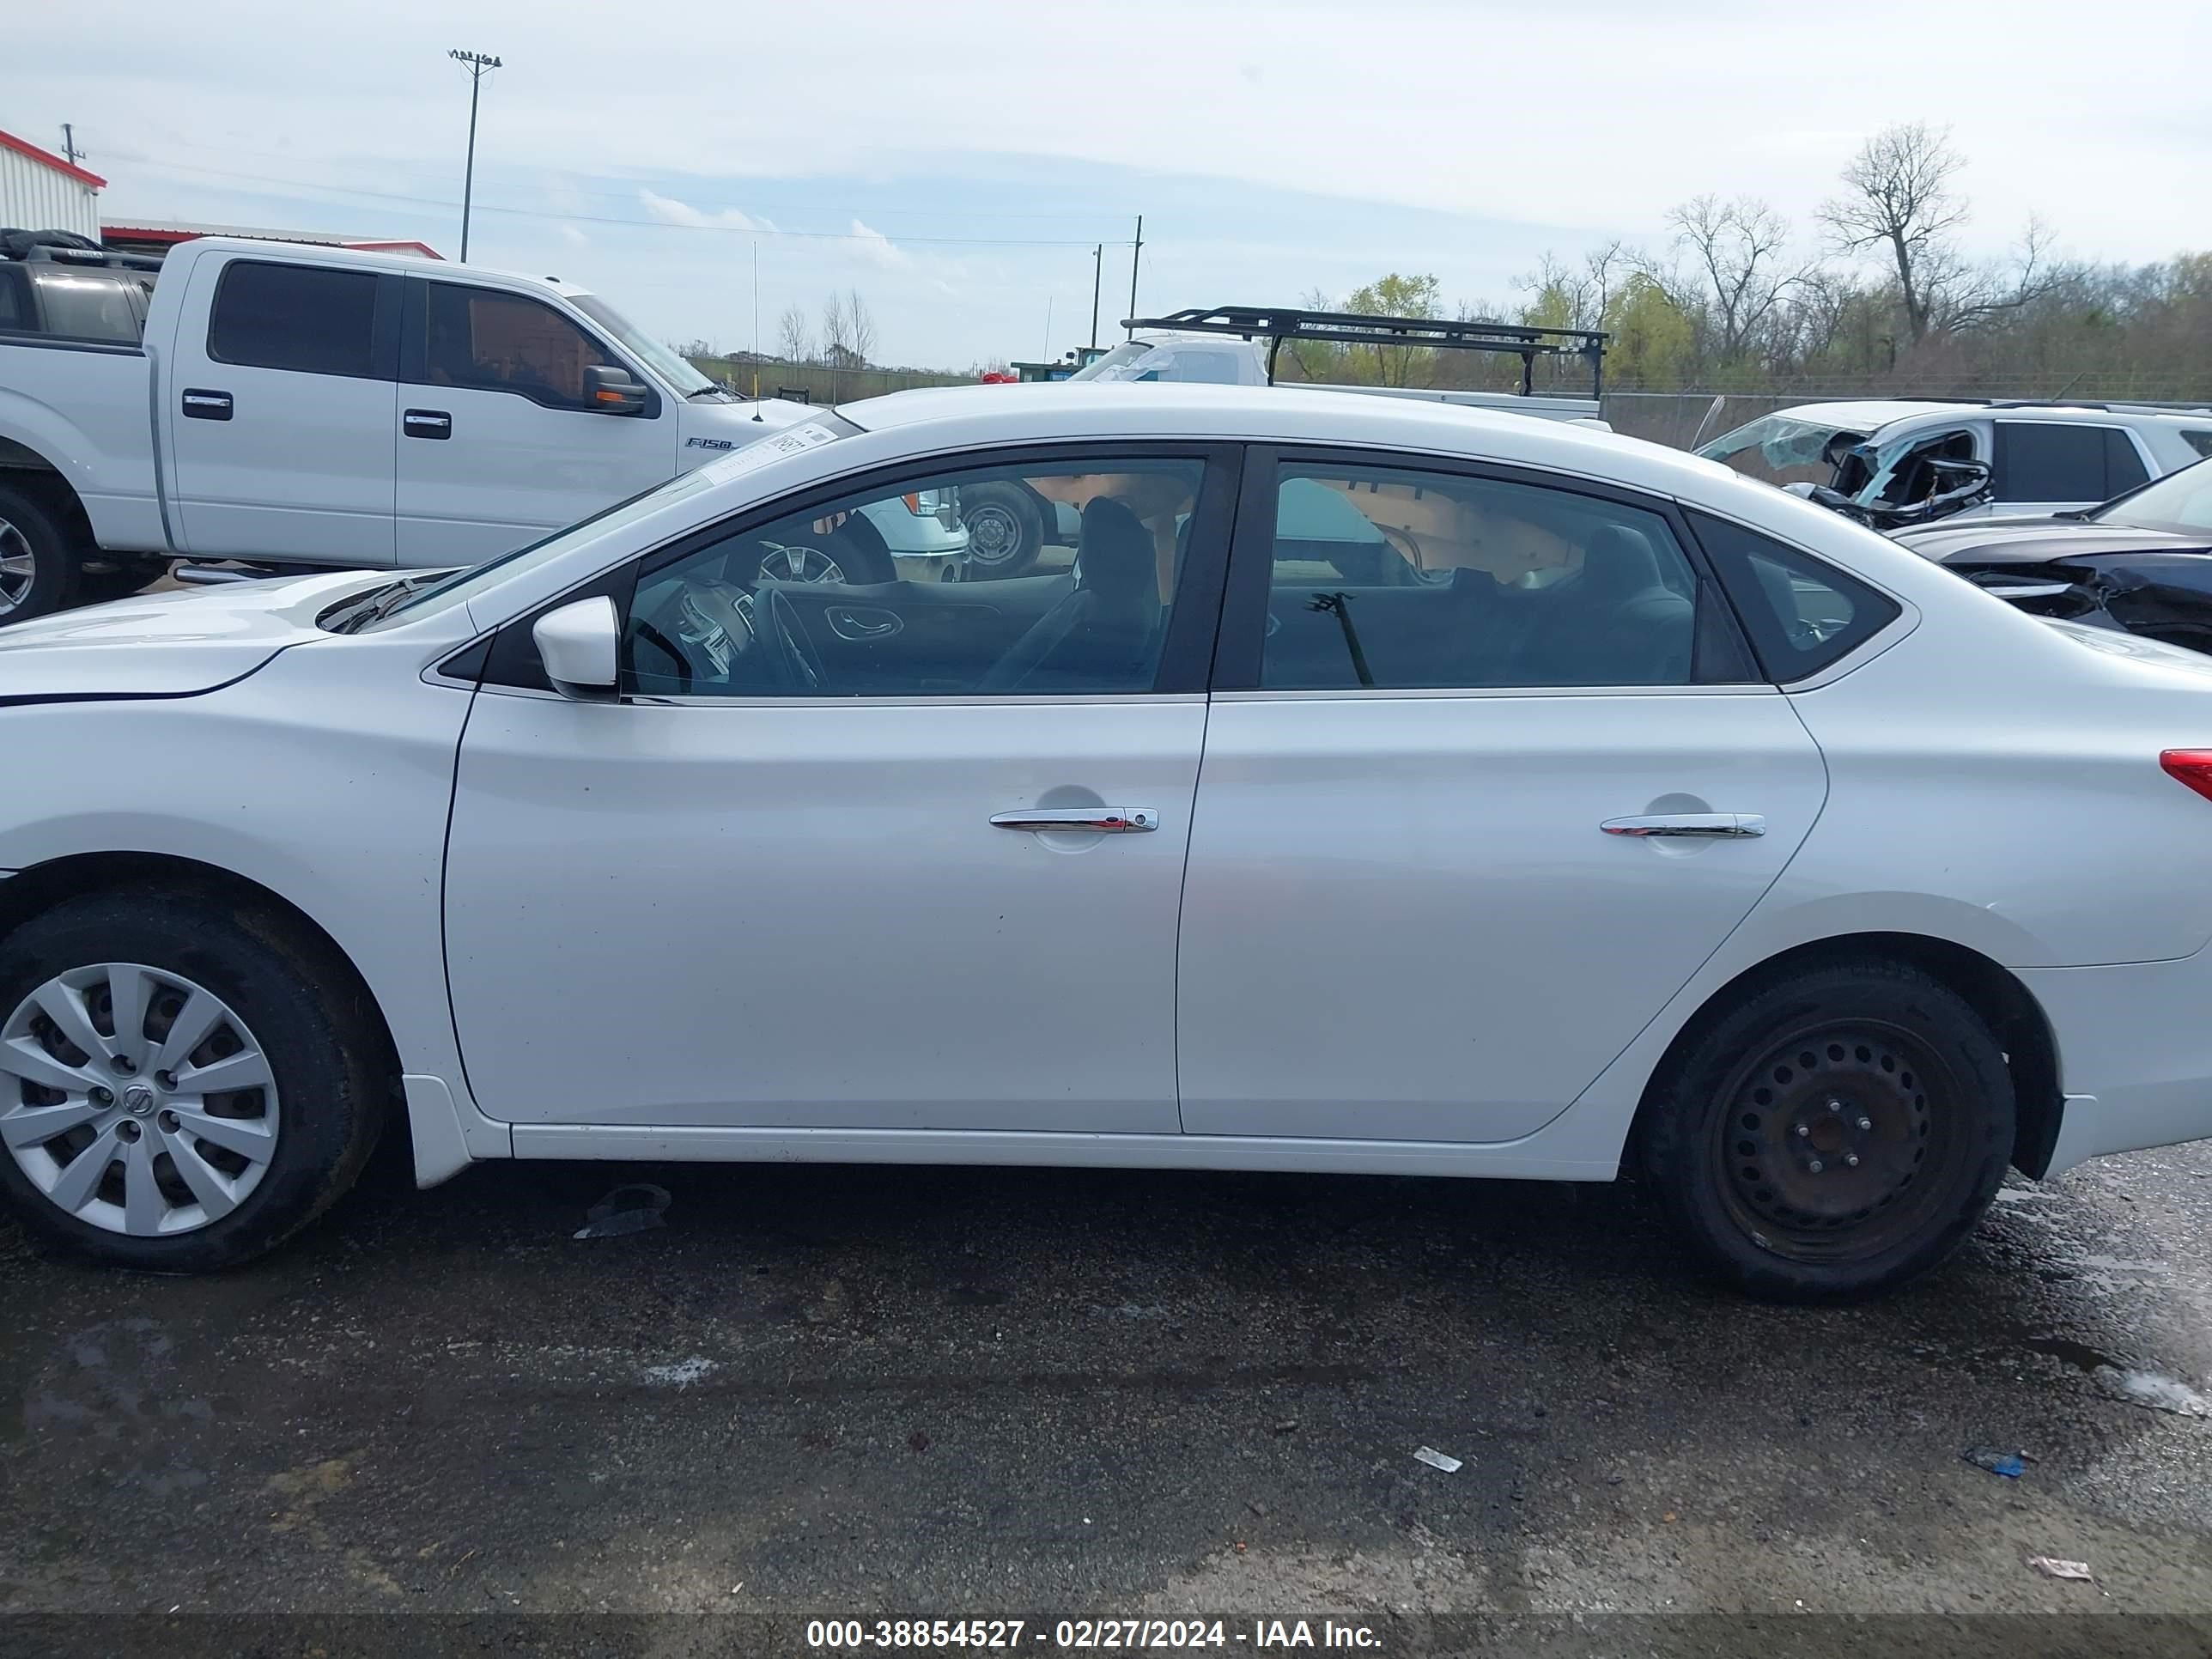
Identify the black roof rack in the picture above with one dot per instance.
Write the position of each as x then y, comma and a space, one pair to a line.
44, 254
1276, 325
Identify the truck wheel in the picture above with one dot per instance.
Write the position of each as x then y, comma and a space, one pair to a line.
38, 566
1005, 531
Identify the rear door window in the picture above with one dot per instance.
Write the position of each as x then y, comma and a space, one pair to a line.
2045, 461
2124, 467
308, 318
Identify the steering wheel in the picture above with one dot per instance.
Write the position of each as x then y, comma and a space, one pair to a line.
802, 669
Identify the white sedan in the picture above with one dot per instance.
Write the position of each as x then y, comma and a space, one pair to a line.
1388, 789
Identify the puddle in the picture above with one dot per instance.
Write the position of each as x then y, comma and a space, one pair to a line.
2115, 1379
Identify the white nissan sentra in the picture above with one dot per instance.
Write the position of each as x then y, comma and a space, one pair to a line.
1370, 787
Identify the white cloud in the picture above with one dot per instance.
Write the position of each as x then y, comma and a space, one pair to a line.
878, 249
669, 211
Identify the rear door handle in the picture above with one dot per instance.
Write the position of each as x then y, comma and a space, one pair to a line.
202, 404
1098, 820
427, 423
1711, 826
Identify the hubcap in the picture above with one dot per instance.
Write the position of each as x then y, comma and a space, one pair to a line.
135, 1100
994, 536
1841, 1142
18, 566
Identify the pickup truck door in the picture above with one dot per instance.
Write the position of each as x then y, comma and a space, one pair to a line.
278, 412
498, 444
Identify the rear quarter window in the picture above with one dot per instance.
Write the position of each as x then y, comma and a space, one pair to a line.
1802, 614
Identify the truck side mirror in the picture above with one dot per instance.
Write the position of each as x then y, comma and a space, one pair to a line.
609, 389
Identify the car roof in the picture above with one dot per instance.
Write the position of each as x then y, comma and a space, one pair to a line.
1864, 415
412, 265
1089, 409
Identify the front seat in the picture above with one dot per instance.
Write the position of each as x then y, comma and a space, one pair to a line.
1100, 636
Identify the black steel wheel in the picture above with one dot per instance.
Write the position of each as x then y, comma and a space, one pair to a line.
1833, 1133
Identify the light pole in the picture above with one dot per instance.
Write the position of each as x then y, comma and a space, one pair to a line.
476, 62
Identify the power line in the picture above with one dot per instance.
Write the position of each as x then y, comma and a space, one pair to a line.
602, 219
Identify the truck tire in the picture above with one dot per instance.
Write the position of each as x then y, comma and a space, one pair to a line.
1005, 530
38, 566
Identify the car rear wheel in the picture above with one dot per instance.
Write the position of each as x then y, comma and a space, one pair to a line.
1833, 1133
38, 566
180, 1089
1005, 530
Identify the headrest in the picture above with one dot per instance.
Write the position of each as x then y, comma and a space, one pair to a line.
1618, 561
1118, 560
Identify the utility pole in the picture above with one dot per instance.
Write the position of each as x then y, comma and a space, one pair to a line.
1097, 274
476, 63
1046, 357
1135, 255
70, 153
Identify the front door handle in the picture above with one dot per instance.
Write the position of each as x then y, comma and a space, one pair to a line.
427, 423
1710, 826
1098, 820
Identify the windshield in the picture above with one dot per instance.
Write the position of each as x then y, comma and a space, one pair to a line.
1115, 364
1779, 448
664, 360
464, 585
2179, 500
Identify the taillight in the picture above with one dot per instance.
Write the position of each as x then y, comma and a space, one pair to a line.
2192, 767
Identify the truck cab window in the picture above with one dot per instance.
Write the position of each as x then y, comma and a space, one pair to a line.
496, 342
311, 319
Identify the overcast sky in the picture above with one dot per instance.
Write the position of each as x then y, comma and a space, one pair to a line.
957, 160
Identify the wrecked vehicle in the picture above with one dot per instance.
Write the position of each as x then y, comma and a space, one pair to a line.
1895, 464
2142, 563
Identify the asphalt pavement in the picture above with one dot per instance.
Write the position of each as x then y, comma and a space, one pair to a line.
822, 1392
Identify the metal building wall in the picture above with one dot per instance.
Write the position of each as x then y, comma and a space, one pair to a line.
34, 196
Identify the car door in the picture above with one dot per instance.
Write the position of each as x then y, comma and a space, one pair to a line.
901, 857
1459, 839
2053, 466
281, 413
500, 442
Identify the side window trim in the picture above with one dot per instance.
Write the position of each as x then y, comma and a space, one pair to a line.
1186, 653
1723, 654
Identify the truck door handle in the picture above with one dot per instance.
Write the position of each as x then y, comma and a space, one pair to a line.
1098, 820
201, 405
1711, 826
427, 423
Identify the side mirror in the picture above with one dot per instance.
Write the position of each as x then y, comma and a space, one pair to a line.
579, 646
610, 390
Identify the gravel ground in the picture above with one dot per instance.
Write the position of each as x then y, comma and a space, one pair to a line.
824, 1391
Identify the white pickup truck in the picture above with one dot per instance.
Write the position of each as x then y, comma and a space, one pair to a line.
291, 406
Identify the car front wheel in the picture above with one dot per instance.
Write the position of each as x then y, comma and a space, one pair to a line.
1832, 1132
181, 1086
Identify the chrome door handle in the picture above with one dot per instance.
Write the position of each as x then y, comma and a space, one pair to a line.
1712, 826
1098, 820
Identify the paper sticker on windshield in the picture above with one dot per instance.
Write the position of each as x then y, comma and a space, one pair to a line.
779, 446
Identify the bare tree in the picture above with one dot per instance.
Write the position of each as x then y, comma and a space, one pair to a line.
794, 343
836, 332
1741, 247
1898, 200
861, 326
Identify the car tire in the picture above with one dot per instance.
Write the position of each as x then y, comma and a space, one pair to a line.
1005, 530
320, 1115
39, 572
1832, 1132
